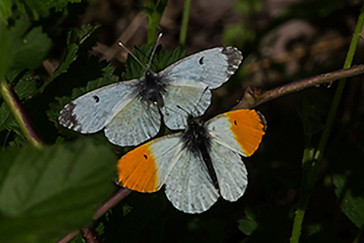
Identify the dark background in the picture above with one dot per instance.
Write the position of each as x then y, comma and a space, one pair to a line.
282, 42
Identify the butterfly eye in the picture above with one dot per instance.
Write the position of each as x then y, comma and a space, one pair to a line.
201, 60
97, 99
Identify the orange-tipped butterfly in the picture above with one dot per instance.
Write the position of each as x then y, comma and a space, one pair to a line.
199, 164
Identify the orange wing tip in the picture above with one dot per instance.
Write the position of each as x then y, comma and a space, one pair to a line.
137, 170
248, 127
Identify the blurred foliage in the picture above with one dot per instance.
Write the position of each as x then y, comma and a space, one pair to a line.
347, 166
61, 185
45, 194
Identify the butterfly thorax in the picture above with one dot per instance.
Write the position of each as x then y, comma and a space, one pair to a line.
197, 140
151, 88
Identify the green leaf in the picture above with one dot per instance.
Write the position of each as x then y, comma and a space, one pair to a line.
51, 192
346, 163
43, 6
162, 59
30, 46
76, 37
5, 10
248, 225
267, 224
5, 49
7, 120
27, 86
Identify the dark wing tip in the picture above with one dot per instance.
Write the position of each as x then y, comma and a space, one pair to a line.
234, 58
67, 118
263, 121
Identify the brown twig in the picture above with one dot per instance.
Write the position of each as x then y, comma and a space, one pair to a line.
120, 195
90, 235
254, 96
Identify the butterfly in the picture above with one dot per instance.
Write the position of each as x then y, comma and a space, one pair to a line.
130, 111
199, 164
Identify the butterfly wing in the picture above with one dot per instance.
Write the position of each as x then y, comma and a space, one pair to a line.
230, 171
193, 97
189, 187
90, 112
239, 130
135, 123
212, 67
146, 168
233, 133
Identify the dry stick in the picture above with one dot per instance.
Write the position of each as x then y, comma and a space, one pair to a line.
120, 195
254, 96
90, 235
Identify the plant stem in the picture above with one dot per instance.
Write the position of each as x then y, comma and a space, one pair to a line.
306, 189
18, 112
340, 89
155, 12
184, 26
310, 178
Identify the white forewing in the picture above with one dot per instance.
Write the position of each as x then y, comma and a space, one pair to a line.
193, 97
166, 151
134, 123
230, 171
90, 112
189, 187
212, 67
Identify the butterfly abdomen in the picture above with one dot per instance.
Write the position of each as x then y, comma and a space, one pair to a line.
197, 141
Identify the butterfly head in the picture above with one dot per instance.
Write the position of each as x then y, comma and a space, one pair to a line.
151, 89
195, 134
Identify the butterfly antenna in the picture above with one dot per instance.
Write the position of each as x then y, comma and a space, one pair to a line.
131, 54
154, 49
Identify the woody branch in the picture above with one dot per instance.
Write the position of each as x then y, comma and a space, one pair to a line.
254, 96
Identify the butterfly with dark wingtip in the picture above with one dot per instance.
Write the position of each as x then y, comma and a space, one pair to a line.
130, 111
199, 164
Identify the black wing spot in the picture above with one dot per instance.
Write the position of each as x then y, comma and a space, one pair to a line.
97, 99
201, 60
145, 156
235, 123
